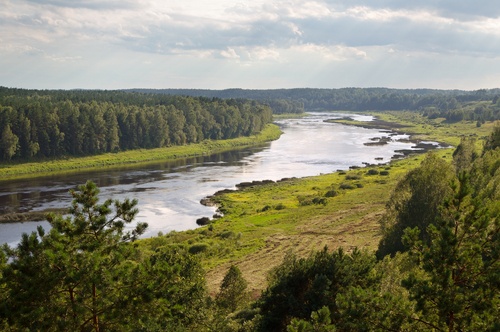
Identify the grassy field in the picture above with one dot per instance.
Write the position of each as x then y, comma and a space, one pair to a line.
33, 169
263, 222
421, 128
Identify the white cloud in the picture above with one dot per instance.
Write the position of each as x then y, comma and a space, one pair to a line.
284, 37
263, 53
230, 53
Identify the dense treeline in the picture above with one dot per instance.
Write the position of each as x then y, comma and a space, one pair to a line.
437, 268
453, 111
39, 123
356, 99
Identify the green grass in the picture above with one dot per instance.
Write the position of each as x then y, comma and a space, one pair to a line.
207, 147
255, 234
261, 237
260, 234
422, 128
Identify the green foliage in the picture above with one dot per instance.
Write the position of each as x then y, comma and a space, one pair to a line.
321, 322
435, 103
331, 193
280, 206
456, 248
372, 171
307, 200
57, 123
464, 154
415, 202
493, 141
299, 287
353, 177
198, 248
460, 287
9, 143
232, 294
86, 274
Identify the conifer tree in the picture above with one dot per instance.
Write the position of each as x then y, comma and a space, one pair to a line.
232, 293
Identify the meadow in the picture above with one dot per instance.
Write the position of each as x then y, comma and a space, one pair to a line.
264, 222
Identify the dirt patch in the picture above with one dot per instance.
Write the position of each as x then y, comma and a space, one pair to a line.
333, 231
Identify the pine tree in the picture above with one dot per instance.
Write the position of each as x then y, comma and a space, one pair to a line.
9, 143
232, 293
459, 286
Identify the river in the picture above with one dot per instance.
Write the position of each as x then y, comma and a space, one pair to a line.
169, 193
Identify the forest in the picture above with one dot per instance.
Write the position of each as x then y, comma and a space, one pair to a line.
437, 267
454, 105
39, 124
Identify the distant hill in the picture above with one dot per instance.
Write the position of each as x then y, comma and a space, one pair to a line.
354, 99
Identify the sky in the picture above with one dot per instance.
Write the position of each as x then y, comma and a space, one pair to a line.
258, 44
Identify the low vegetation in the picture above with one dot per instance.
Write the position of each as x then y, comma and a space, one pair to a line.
412, 245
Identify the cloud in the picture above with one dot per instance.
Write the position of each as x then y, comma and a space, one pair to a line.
264, 36
89, 4
460, 9
230, 53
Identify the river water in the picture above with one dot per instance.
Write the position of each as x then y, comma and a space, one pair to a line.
169, 193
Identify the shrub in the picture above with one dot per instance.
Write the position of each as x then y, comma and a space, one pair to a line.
265, 208
203, 221
305, 202
280, 206
384, 172
346, 186
352, 177
226, 234
198, 248
359, 185
319, 200
372, 172
331, 193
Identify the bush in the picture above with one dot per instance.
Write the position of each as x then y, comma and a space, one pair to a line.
305, 201
384, 172
372, 172
359, 185
280, 206
346, 186
331, 193
352, 177
265, 208
319, 200
203, 221
198, 248
226, 234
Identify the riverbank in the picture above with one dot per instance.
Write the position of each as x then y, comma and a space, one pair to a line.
34, 169
262, 223
421, 128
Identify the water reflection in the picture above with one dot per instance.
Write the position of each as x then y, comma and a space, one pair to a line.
169, 192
